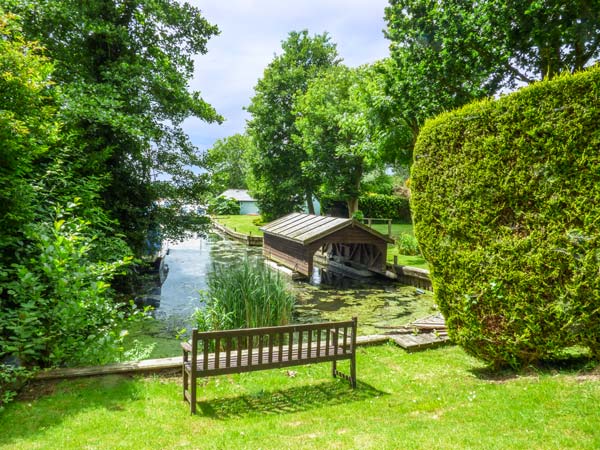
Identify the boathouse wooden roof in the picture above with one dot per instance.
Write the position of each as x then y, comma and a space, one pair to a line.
293, 240
307, 228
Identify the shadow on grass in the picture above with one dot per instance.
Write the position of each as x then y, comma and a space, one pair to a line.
292, 400
574, 364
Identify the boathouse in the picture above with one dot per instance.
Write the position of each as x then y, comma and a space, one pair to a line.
293, 240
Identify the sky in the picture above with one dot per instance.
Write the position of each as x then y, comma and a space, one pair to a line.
251, 32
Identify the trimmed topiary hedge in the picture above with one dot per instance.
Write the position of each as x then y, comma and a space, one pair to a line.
506, 207
382, 206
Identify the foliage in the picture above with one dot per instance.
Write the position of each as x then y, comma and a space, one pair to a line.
334, 134
505, 206
123, 69
223, 206
28, 127
247, 295
406, 244
358, 215
377, 182
449, 53
276, 183
56, 305
385, 207
226, 163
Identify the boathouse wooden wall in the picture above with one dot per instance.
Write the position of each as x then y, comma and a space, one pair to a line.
299, 257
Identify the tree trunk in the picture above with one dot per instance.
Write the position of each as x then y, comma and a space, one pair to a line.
352, 206
309, 203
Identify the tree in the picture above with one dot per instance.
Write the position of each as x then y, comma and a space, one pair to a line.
28, 128
226, 163
124, 69
278, 182
340, 136
451, 52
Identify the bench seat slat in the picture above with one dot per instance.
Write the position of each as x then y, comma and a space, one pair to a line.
298, 355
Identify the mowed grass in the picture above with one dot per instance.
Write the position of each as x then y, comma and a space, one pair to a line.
403, 260
436, 399
241, 224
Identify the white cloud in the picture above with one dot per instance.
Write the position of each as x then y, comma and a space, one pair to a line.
251, 34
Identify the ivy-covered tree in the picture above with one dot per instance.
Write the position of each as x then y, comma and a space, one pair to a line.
278, 183
226, 163
123, 68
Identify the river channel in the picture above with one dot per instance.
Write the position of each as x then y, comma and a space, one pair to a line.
378, 303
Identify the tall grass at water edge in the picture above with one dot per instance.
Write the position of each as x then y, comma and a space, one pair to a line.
246, 295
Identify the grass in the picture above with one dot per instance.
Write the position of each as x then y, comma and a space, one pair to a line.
403, 260
433, 399
241, 224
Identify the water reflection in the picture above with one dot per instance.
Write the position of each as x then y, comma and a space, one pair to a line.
327, 296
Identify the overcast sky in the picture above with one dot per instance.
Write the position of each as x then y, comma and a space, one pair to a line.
251, 35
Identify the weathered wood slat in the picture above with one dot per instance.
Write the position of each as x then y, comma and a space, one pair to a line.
251, 357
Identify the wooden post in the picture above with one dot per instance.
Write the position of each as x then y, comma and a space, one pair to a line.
395, 260
389, 228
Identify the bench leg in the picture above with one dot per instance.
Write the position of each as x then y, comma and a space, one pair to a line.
334, 368
353, 372
193, 396
185, 383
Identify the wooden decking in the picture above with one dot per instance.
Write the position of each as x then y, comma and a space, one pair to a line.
424, 333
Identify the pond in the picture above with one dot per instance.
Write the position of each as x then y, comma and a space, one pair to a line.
378, 303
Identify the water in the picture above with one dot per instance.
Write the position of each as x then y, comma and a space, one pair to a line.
378, 304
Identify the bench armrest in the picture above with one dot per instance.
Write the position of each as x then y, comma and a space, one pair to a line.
186, 346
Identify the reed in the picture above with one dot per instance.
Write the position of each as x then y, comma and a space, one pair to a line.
247, 295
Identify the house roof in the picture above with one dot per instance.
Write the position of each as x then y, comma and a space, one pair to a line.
241, 195
307, 228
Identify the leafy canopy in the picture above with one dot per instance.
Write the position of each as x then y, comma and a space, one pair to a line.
278, 182
124, 69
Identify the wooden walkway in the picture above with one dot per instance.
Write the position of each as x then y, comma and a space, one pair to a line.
424, 333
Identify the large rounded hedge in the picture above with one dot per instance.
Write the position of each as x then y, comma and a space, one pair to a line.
506, 207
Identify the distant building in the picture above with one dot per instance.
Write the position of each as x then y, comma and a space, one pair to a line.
247, 203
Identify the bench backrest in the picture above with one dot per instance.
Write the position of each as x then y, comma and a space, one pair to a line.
271, 342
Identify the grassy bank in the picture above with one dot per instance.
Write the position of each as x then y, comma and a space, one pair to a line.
241, 224
434, 399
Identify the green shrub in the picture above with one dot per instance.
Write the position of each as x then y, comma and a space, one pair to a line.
407, 245
57, 307
385, 207
223, 206
246, 295
506, 207
358, 215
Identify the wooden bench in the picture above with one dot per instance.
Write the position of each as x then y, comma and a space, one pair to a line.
248, 349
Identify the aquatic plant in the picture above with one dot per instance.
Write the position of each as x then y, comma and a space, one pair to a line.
246, 295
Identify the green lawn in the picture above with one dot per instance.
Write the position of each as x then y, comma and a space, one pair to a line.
436, 399
241, 224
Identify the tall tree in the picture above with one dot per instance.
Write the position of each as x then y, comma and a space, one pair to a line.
337, 134
124, 68
450, 52
226, 163
279, 184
